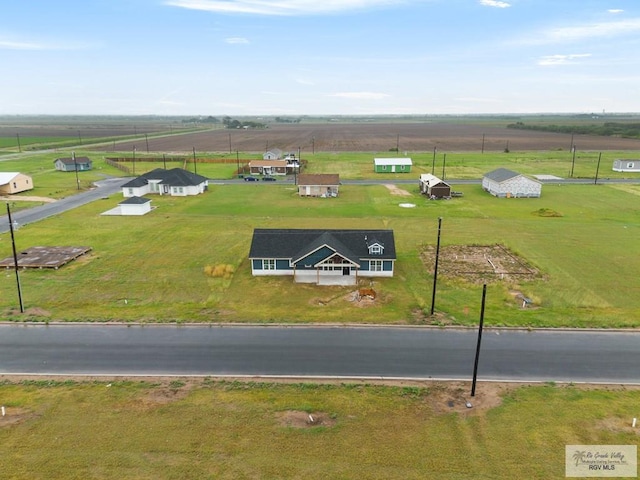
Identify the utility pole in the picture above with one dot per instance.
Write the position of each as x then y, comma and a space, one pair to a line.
433, 163
164, 160
19, 147
482, 143
237, 163
146, 139
435, 270
475, 365
444, 163
15, 259
134, 159
195, 165
597, 169
75, 166
573, 160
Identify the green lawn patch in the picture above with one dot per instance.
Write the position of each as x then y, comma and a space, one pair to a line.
205, 429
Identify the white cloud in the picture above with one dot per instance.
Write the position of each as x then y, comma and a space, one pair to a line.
19, 45
591, 30
615, 10
494, 3
360, 95
237, 41
11, 45
551, 60
282, 7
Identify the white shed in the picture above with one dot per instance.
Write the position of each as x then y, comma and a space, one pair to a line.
508, 184
626, 165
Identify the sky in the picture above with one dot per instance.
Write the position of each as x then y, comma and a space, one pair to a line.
318, 57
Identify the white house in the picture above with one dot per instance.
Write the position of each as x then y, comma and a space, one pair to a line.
176, 182
505, 183
626, 165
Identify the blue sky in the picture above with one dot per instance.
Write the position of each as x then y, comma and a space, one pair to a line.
319, 57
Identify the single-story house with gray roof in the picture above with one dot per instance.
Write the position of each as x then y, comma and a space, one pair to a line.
323, 257
506, 183
69, 164
176, 182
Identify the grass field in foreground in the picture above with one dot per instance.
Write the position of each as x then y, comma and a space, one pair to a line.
151, 268
196, 429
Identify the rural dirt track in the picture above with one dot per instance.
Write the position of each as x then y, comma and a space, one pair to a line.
414, 137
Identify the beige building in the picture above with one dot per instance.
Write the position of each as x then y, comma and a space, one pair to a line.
318, 184
14, 182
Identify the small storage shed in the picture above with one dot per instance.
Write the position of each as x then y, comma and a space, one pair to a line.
433, 187
70, 164
392, 165
135, 206
14, 182
318, 185
505, 183
626, 165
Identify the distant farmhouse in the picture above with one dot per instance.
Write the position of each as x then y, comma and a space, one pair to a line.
71, 164
392, 165
14, 182
273, 154
176, 182
318, 185
626, 165
323, 257
433, 187
505, 183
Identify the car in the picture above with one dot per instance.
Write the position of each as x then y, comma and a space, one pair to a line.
268, 179
251, 179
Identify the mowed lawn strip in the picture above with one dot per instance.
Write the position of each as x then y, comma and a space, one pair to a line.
152, 268
229, 430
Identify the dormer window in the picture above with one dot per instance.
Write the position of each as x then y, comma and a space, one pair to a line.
376, 249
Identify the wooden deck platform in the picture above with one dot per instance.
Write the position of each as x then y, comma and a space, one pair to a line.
45, 257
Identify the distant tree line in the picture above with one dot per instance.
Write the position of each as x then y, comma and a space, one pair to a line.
287, 120
608, 129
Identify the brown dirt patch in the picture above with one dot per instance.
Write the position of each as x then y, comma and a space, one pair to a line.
480, 264
298, 419
21, 198
377, 137
397, 191
15, 416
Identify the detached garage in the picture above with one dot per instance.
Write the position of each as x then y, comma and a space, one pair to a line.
505, 183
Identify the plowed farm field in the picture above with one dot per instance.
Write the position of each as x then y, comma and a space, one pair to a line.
413, 137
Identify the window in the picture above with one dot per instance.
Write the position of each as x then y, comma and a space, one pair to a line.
375, 249
269, 264
375, 265
130, 191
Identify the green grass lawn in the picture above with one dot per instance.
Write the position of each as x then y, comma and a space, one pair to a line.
588, 257
230, 430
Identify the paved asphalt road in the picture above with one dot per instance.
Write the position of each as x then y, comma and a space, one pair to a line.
104, 188
359, 352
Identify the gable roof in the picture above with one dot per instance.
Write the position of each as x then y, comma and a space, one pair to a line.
318, 179
176, 177
500, 175
6, 177
329, 240
392, 161
431, 180
294, 243
70, 161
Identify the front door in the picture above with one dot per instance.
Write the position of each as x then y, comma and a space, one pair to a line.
346, 271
